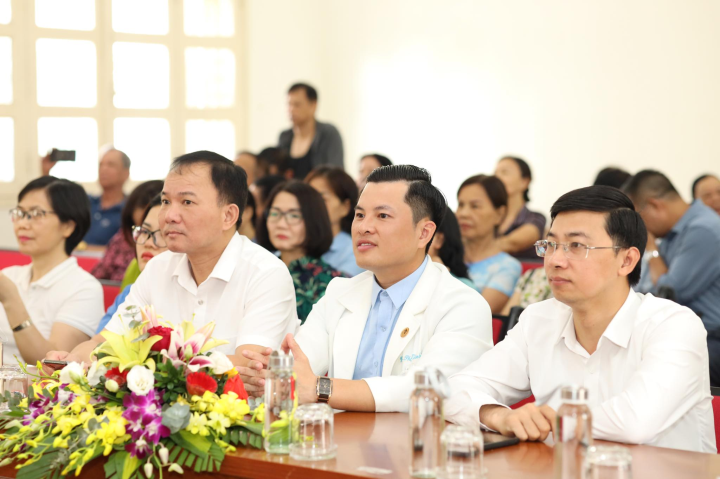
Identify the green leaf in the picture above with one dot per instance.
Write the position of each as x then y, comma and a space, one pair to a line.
174, 453
194, 443
182, 457
190, 459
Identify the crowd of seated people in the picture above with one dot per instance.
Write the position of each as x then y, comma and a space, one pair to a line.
367, 280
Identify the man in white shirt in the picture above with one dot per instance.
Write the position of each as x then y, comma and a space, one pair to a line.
210, 272
644, 360
371, 332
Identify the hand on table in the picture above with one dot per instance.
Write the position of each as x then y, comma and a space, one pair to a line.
306, 382
253, 375
527, 423
61, 356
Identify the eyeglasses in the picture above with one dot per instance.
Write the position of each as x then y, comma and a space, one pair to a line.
16, 214
573, 250
142, 235
292, 217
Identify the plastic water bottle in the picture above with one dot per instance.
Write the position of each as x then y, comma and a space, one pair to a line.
574, 432
426, 422
279, 398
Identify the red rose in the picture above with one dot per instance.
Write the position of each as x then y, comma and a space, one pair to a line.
235, 384
198, 383
117, 376
164, 343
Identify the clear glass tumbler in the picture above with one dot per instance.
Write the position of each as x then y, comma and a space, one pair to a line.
13, 381
312, 435
607, 462
462, 453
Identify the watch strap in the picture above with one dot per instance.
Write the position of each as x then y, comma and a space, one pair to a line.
25, 324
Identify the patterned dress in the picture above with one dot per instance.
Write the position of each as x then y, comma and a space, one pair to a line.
310, 277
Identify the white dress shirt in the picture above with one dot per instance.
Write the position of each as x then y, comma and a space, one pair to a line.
67, 294
443, 324
249, 295
648, 380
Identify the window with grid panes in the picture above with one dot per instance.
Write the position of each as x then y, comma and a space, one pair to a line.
155, 78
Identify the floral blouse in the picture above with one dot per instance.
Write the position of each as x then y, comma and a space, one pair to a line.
310, 277
118, 256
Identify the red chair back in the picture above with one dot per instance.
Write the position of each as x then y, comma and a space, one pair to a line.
716, 412
528, 265
110, 292
497, 325
12, 258
87, 263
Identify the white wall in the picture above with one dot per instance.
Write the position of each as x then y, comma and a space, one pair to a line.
451, 86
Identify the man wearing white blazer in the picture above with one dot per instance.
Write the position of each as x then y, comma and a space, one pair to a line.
371, 332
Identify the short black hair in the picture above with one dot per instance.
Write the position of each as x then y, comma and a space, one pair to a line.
424, 199
310, 92
252, 204
274, 157
318, 231
452, 251
139, 198
611, 176
494, 188
342, 185
622, 223
229, 179
649, 183
525, 172
383, 160
698, 180
69, 202
154, 201
266, 184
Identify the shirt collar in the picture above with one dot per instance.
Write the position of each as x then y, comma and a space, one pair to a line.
53, 276
618, 331
224, 268
400, 291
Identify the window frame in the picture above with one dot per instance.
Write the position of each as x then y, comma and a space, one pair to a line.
25, 110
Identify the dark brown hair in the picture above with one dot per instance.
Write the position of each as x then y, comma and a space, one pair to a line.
494, 188
318, 231
342, 185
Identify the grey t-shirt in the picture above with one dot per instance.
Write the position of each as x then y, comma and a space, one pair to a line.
326, 147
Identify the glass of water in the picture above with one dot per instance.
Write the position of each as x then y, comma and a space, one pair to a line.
312, 433
608, 462
462, 453
14, 381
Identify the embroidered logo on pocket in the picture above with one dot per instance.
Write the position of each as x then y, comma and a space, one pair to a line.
410, 357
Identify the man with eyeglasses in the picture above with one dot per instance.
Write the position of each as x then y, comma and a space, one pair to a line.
642, 359
211, 273
688, 256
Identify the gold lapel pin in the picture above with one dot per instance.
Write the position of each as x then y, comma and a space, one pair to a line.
404, 332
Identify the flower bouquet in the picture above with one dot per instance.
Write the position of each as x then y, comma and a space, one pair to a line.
156, 397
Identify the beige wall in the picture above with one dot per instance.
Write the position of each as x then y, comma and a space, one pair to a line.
451, 86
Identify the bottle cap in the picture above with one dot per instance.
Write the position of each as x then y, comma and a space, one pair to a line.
422, 378
574, 393
280, 360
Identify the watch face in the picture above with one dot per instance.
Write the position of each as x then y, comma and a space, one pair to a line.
324, 388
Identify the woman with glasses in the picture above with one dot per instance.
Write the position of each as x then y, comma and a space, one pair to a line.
45, 305
297, 226
482, 205
148, 244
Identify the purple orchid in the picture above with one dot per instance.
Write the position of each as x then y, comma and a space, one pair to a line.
144, 416
38, 407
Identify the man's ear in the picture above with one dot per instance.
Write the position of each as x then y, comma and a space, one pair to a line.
231, 213
630, 258
426, 233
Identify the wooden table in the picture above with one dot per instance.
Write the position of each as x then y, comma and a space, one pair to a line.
380, 441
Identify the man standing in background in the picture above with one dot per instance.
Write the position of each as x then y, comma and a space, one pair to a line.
309, 142
105, 209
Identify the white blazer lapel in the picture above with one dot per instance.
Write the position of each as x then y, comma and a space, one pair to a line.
350, 327
411, 316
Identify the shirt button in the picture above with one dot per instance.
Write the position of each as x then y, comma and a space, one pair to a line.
375, 363
200, 302
383, 329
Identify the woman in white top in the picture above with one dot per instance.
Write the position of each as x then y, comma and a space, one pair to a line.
50, 303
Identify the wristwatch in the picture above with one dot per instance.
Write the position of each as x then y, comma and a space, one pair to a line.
324, 388
652, 254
